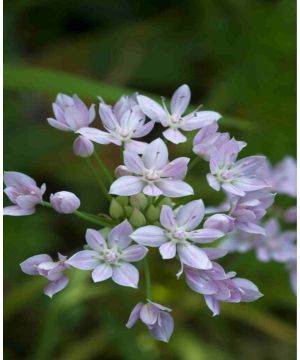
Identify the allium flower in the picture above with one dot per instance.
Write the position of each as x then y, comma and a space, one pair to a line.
208, 140
216, 285
23, 191
276, 245
111, 258
53, 271
235, 177
71, 113
178, 235
248, 210
123, 123
282, 178
175, 121
156, 317
152, 173
64, 202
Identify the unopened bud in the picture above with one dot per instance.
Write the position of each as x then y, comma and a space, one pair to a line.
115, 209
83, 147
64, 202
165, 201
128, 211
137, 218
122, 200
139, 201
152, 213
220, 222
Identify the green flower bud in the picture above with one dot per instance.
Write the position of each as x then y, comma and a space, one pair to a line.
122, 200
137, 218
152, 213
139, 201
128, 210
115, 209
165, 201
104, 232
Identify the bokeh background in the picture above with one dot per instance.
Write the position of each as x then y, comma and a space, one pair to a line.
238, 57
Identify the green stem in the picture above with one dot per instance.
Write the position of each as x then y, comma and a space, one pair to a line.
99, 180
121, 153
88, 217
194, 162
147, 279
103, 168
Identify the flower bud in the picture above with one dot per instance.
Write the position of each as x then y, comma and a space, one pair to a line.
115, 209
64, 202
83, 147
220, 222
139, 201
128, 211
166, 201
152, 213
137, 218
122, 200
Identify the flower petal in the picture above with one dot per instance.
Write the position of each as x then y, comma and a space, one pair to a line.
164, 331
205, 235
16, 210
174, 135
134, 316
138, 147
98, 136
84, 260
193, 256
58, 125
249, 291
55, 286
167, 217
126, 275
120, 235
107, 117
149, 314
94, 239
144, 130
18, 180
29, 266
102, 272
126, 185
180, 100
151, 108
134, 253
175, 188
190, 215
167, 250
152, 190
155, 155
200, 119
212, 304
176, 169
133, 162
149, 236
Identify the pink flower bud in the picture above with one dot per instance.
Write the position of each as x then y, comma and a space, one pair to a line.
83, 147
64, 202
220, 222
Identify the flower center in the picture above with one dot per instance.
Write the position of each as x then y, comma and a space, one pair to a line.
110, 256
151, 175
175, 121
177, 236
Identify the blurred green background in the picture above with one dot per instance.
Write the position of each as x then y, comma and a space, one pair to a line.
238, 57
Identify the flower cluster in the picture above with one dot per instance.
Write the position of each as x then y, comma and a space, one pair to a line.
146, 208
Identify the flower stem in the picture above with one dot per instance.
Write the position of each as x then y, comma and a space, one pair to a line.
85, 216
147, 279
194, 162
103, 168
99, 180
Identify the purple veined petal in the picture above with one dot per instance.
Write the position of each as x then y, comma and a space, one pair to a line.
16, 210
180, 100
212, 304
18, 180
95, 240
174, 135
159, 306
131, 119
167, 250
63, 100
199, 283
133, 162
84, 260
134, 253
55, 286
91, 114
205, 235
193, 256
149, 314
156, 155
151, 108
251, 228
249, 184
249, 291
127, 185
102, 272
233, 189
144, 130
164, 331
149, 235
213, 182
107, 117
227, 153
221, 222
120, 235
167, 217
135, 146
11, 193
27, 201
176, 169
126, 275
75, 119
58, 125
175, 188
249, 164
98, 136
29, 266
152, 190
80, 105
215, 253
189, 216
244, 215
200, 119
59, 113
134, 316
